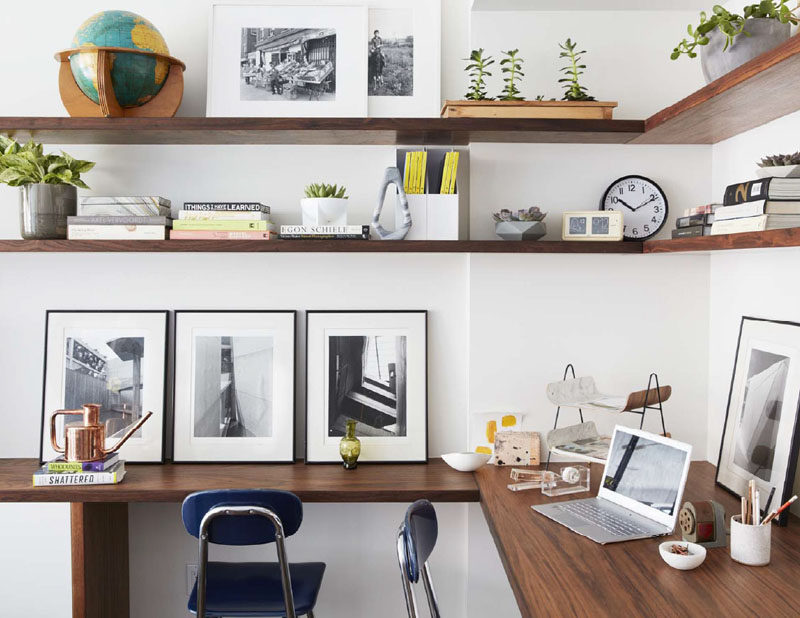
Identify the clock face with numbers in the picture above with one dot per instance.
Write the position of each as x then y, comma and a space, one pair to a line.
642, 203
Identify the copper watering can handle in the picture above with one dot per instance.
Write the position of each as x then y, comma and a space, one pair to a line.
131, 431
53, 437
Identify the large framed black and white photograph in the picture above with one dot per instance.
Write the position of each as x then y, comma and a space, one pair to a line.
116, 359
404, 58
281, 60
760, 438
234, 386
371, 367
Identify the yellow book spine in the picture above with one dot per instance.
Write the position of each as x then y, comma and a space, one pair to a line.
417, 166
442, 186
446, 180
412, 172
406, 172
454, 172
423, 173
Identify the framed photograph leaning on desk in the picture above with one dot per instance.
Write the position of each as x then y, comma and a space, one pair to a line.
369, 366
234, 386
760, 438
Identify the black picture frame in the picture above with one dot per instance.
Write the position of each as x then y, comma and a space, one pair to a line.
311, 312
293, 458
791, 466
164, 401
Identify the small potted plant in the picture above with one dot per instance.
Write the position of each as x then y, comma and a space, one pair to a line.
324, 205
525, 224
728, 40
780, 166
48, 186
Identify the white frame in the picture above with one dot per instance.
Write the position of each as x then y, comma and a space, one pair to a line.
426, 100
152, 325
778, 338
278, 448
615, 225
633, 505
413, 447
223, 85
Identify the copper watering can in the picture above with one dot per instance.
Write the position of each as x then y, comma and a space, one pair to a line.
87, 442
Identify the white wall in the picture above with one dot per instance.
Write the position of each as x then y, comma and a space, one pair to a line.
475, 362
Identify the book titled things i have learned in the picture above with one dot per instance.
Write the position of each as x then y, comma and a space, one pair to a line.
327, 232
227, 206
111, 476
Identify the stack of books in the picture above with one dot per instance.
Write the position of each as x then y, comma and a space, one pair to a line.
695, 221
449, 173
108, 471
223, 221
758, 205
415, 171
120, 218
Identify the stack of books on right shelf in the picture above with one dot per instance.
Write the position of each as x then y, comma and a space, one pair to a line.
223, 221
758, 205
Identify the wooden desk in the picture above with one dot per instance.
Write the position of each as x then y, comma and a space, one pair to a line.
99, 514
555, 572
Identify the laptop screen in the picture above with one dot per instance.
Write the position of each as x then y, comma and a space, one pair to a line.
646, 471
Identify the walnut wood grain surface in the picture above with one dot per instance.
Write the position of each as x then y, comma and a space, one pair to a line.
555, 572
312, 483
318, 246
745, 240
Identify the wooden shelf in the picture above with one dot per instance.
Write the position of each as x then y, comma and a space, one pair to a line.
751, 95
316, 246
309, 131
746, 240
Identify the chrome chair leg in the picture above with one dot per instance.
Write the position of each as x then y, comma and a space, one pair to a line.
433, 603
411, 602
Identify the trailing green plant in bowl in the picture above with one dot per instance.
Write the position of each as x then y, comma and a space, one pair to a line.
25, 165
731, 24
324, 190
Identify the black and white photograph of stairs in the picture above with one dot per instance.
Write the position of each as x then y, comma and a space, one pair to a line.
367, 383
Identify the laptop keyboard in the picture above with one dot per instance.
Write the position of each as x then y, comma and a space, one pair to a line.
601, 517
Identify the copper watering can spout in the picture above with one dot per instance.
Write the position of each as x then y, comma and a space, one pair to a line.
86, 442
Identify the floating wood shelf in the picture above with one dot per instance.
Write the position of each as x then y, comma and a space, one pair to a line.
311, 131
316, 246
745, 240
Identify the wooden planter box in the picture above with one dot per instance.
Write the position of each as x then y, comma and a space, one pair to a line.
597, 110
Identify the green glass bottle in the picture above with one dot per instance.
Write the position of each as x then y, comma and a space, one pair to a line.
350, 446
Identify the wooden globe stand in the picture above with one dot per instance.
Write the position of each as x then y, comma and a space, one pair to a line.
162, 105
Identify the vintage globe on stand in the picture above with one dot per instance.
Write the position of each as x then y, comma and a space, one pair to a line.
136, 78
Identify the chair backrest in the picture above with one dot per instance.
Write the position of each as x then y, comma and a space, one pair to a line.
247, 529
420, 530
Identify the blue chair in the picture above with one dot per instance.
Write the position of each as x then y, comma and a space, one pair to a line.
249, 517
415, 542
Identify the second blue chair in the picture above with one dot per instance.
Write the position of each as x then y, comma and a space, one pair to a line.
249, 517
415, 542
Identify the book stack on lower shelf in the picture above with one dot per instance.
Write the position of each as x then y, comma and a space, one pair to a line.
759, 205
695, 221
120, 218
58, 472
223, 221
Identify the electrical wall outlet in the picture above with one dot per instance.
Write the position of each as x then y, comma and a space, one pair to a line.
191, 577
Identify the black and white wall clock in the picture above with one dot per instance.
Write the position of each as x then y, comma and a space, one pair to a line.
643, 205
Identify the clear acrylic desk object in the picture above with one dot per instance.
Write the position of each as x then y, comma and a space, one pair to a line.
570, 480
525, 479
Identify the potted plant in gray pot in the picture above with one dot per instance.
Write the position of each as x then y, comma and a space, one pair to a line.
728, 40
48, 186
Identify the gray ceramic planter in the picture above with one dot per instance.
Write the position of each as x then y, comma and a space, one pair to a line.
43, 210
520, 230
764, 35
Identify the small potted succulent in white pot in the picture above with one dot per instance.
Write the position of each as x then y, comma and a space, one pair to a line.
780, 166
324, 205
48, 186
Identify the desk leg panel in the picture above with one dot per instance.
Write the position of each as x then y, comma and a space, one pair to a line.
100, 585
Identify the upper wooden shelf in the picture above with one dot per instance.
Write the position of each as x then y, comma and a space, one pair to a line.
747, 240
310, 131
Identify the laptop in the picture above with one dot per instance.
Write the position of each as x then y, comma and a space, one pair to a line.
640, 490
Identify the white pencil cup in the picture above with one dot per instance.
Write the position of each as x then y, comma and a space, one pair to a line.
750, 544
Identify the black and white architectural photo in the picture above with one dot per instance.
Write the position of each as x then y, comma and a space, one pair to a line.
288, 64
390, 64
760, 414
367, 383
105, 367
232, 386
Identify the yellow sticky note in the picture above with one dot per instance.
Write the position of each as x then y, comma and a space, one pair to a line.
509, 420
491, 429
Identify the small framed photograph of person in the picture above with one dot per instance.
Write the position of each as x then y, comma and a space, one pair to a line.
299, 61
404, 58
760, 437
115, 359
370, 367
234, 386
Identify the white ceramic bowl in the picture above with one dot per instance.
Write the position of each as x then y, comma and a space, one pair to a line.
465, 462
697, 553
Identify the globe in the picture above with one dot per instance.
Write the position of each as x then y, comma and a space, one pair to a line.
136, 78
